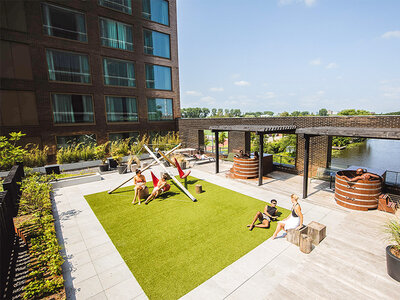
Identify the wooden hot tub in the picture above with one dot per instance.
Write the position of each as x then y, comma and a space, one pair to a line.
359, 195
245, 168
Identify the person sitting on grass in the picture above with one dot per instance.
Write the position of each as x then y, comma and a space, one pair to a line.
158, 189
140, 184
265, 217
362, 175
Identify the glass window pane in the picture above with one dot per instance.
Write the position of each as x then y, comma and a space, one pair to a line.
158, 77
118, 72
122, 136
156, 43
67, 66
159, 109
73, 140
72, 109
115, 34
155, 10
121, 5
64, 23
121, 109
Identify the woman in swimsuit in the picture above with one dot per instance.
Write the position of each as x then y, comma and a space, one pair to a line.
294, 220
158, 189
140, 184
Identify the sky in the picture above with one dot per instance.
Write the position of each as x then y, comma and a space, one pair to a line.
287, 55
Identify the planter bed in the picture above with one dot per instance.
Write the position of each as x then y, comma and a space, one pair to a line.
74, 180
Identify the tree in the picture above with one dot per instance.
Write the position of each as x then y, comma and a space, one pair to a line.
305, 113
353, 112
213, 112
323, 112
222, 137
296, 113
284, 114
227, 113
220, 112
269, 113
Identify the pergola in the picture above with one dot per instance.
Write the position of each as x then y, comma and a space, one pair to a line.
258, 129
374, 133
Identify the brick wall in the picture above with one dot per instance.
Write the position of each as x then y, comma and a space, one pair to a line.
319, 146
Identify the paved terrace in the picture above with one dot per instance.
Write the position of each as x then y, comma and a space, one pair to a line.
350, 261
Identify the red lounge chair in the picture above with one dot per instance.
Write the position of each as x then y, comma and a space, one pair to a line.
156, 180
182, 175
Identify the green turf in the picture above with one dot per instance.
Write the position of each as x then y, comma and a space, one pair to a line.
173, 244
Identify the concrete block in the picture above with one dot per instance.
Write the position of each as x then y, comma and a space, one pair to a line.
305, 243
293, 235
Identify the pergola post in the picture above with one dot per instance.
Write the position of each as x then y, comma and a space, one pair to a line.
216, 152
260, 158
306, 161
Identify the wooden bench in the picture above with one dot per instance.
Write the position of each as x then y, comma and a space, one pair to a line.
293, 235
317, 232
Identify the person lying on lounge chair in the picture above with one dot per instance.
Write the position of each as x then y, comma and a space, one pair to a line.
201, 156
265, 217
157, 191
362, 175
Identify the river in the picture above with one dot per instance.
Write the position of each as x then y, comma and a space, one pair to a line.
373, 153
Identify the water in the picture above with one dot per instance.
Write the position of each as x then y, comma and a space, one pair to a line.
373, 153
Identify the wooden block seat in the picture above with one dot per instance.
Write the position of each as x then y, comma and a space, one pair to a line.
144, 193
317, 232
305, 243
293, 235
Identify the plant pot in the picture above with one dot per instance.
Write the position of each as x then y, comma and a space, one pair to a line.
392, 264
121, 169
103, 167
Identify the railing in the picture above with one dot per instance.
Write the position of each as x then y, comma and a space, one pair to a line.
8, 209
392, 178
284, 160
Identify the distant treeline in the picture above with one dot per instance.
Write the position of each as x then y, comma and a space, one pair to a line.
197, 112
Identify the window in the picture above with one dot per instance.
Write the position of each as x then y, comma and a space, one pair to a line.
122, 136
69, 109
156, 43
155, 10
121, 5
67, 66
73, 140
64, 23
158, 77
121, 109
119, 72
159, 109
115, 34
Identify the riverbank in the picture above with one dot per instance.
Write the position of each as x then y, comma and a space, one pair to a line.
337, 153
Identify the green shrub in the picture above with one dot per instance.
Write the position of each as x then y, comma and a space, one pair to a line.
34, 157
75, 153
10, 153
101, 152
119, 149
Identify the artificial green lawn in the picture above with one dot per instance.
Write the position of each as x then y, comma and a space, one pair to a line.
173, 244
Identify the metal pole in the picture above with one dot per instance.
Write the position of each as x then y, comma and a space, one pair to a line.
171, 175
144, 169
216, 153
260, 159
306, 160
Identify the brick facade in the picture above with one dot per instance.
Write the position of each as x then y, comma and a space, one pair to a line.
320, 153
22, 25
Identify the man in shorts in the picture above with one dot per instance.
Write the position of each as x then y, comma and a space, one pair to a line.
265, 217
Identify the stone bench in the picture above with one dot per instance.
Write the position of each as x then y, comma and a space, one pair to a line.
317, 232
293, 235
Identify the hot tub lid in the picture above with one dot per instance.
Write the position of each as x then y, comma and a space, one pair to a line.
379, 172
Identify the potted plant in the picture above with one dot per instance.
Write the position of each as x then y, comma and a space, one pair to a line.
392, 228
117, 153
101, 152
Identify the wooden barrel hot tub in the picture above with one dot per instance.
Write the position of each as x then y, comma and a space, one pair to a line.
359, 195
245, 168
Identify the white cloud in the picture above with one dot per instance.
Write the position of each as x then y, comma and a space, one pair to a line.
193, 93
242, 83
315, 62
320, 93
332, 65
391, 89
267, 95
217, 89
306, 2
208, 99
391, 34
